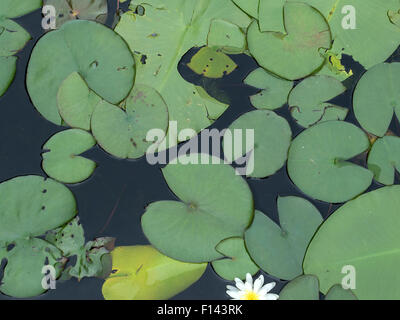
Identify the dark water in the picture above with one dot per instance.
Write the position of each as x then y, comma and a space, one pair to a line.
124, 188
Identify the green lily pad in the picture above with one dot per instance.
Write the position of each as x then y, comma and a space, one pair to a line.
384, 159
226, 36
304, 287
61, 159
237, 262
34, 205
363, 234
338, 293
212, 63
190, 230
122, 133
274, 91
17, 8
162, 35
377, 97
317, 161
143, 273
272, 137
307, 101
89, 48
270, 14
294, 54
248, 6
23, 272
279, 250
8, 67
66, 10
76, 102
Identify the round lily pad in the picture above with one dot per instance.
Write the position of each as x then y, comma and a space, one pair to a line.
377, 97
122, 133
237, 262
294, 54
97, 53
143, 273
216, 204
279, 250
384, 159
272, 136
308, 101
23, 273
7, 70
17, 8
76, 102
66, 10
34, 205
248, 6
317, 161
338, 293
61, 159
270, 14
226, 36
304, 287
363, 234
274, 91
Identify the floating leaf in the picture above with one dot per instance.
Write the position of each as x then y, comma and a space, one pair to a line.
190, 230
237, 262
33, 206
163, 34
143, 273
91, 49
317, 161
308, 101
76, 102
61, 159
338, 293
272, 136
377, 97
212, 63
384, 159
66, 10
248, 6
363, 234
7, 71
274, 92
23, 272
296, 54
17, 8
226, 36
270, 15
122, 133
279, 250
304, 287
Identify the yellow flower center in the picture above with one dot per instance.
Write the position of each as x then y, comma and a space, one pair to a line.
251, 295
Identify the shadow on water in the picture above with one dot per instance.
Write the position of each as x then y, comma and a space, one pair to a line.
112, 201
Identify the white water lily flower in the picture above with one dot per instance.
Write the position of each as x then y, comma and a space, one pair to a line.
246, 291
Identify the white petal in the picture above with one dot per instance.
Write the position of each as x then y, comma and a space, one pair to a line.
269, 296
239, 284
249, 282
267, 288
258, 283
234, 294
232, 288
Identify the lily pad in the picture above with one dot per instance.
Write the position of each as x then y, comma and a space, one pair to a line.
212, 63
61, 159
34, 205
7, 70
143, 273
226, 36
209, 213
76, 102
66, 10
248, 6
23, 272
317, 161
384, 159
237, 262
18, 8
122, 133
377, 97
363, 234
279, 250
274, 91
270, 15
338, 293
89, 48
308, 101
294, 54
304, 287
163, 34
272, 137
